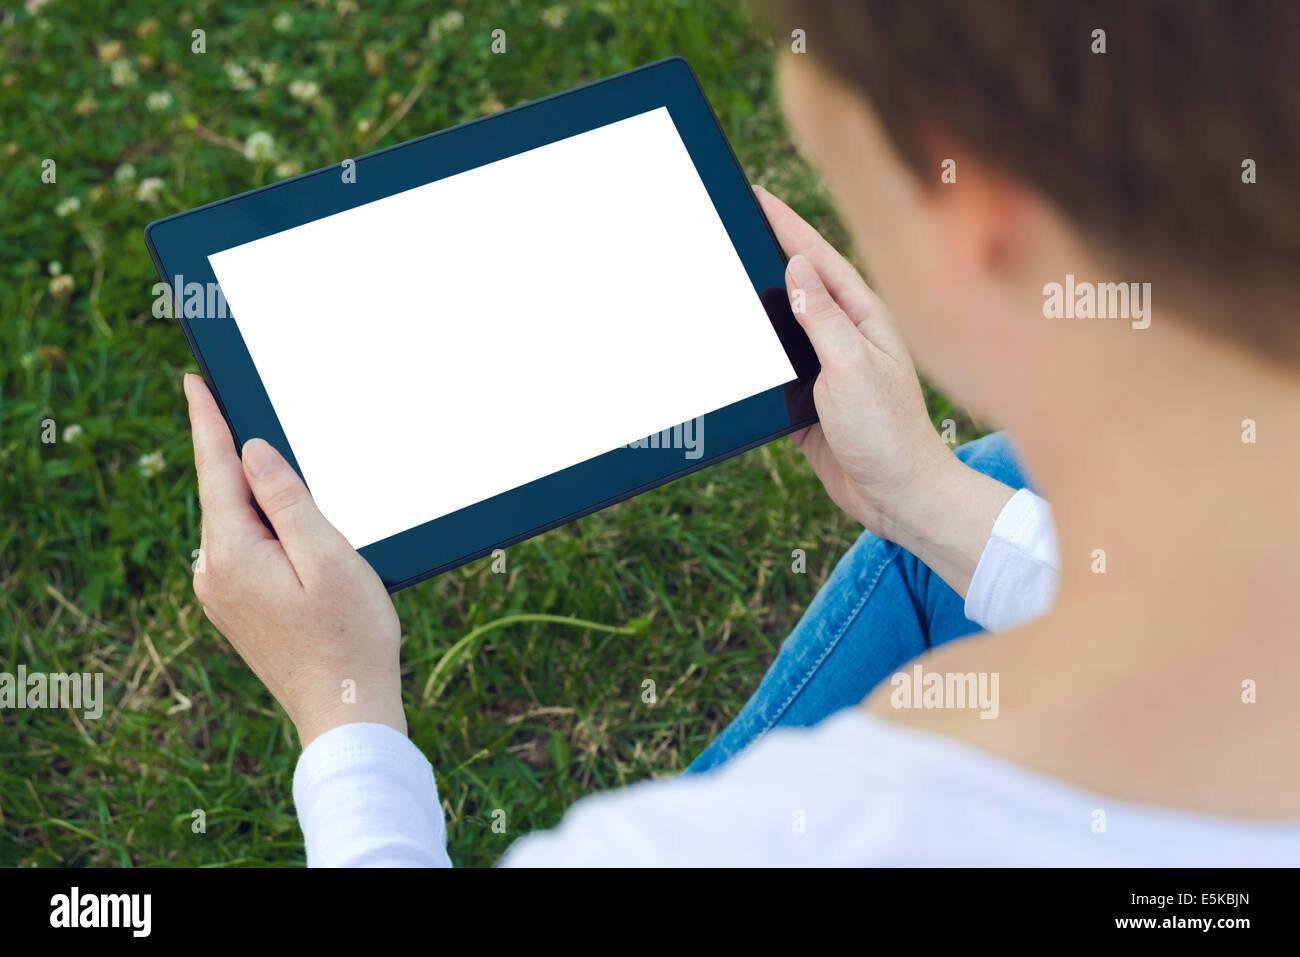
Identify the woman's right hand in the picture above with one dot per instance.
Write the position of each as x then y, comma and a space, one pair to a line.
874, 440
874, 448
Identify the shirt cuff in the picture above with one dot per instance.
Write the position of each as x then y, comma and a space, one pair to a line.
366, 797
1018, 572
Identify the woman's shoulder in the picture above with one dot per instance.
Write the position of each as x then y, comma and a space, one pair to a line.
860, 790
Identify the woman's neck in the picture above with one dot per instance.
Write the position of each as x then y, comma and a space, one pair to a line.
1174, 494
1167, 671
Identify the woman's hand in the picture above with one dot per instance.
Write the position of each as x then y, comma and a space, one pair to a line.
302, 608
874, 447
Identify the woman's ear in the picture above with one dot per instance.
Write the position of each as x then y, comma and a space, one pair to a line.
986, 226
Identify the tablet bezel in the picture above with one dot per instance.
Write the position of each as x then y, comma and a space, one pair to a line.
180, 246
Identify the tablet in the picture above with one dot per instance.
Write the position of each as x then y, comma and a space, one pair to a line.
472, 337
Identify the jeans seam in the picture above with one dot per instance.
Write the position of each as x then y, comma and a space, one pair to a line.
831, 646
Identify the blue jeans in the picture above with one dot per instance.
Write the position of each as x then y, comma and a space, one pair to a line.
879, 609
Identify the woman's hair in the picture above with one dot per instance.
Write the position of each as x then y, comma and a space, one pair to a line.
1144, 147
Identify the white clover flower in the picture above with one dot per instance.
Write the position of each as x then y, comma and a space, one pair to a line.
283, 21
55, 267
71, 432
61, 286
304, 90
554, 16
451, 20
67, 207
260, 147
158, 101
34, 6
239, 77
125, 173
122, 73
149, 190
152, 464
287, 168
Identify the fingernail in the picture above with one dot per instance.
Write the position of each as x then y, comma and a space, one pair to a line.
262, 460
802, 274
185, 384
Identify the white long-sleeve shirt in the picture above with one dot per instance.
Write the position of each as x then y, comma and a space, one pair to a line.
852, 790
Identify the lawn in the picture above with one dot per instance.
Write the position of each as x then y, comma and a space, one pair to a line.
689, 586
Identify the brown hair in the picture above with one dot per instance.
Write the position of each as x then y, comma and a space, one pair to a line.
1142, 147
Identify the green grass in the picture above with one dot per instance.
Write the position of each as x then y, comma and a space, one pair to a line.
691, 585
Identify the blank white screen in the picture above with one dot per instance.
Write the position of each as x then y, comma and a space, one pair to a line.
443, 345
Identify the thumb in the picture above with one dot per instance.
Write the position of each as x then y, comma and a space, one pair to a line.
304, 533
833, 335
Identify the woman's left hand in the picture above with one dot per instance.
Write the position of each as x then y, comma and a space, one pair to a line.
303, 609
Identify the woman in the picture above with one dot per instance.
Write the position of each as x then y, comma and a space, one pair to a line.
991, 160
